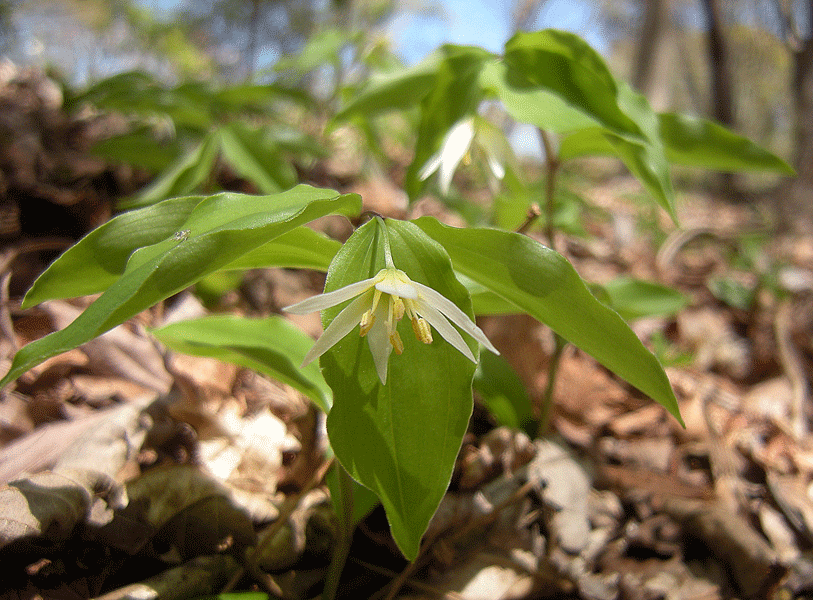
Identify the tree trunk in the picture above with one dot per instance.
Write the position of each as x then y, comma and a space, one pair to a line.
796, 208
719, 64
722, 86
648, 42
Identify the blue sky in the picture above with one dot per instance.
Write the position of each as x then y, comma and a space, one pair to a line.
484, 23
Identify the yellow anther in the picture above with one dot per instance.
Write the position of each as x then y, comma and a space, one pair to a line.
397, 308
422, 330
366, 323
396, 342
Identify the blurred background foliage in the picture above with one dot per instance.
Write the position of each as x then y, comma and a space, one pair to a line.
745, 63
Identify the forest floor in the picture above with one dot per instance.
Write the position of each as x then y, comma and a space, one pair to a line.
129, 471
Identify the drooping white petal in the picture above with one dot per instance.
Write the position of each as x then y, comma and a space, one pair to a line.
444, 328
454, 314
339, 327
323, 301
455, 146
430, 166
379, 342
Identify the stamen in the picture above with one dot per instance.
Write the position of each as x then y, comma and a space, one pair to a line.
366, 323
396, 342
422, 330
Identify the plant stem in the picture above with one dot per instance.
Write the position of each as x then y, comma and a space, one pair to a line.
345, 533
552, 165
547, 398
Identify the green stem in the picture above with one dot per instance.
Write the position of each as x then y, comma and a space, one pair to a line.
552, 165
344, 534
387, 250
547, 398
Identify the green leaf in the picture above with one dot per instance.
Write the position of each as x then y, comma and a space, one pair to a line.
557, 82
455, 94
486, 302
219, 230
542, 283
504, 393
636, 298
700, 143
273, 346
301, 248
252, 156
399, 439
138, 148
184, 177
98, 260
564, 64
321, 49
250, 97
533, 105
401, 90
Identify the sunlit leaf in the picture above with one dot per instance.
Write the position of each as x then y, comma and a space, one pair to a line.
184, 177
636, 298
273, 346
218, 231
542, 283
414, 424
251, 156
700, 143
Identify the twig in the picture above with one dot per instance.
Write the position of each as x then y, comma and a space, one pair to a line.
410, 582
532, 215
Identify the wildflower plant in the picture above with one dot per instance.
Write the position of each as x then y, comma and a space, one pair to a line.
400, 345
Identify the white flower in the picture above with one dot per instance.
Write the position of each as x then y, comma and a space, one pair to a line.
453, 149
380, 302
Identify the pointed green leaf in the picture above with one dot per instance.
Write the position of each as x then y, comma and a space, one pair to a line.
255, 159
533, 105
273, 346
564, 64
301, 248
636, 298
543, 284
218, 231
139, 148
184, 177
98, 259
700, 143
399, 439
402, 90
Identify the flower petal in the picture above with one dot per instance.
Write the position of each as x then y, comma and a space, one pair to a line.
454, 314
339, 327
379, 343
430, 166
454, 148
323, 301
398, 284
444, 328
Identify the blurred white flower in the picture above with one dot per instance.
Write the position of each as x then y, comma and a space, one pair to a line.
470, 136
454, 147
